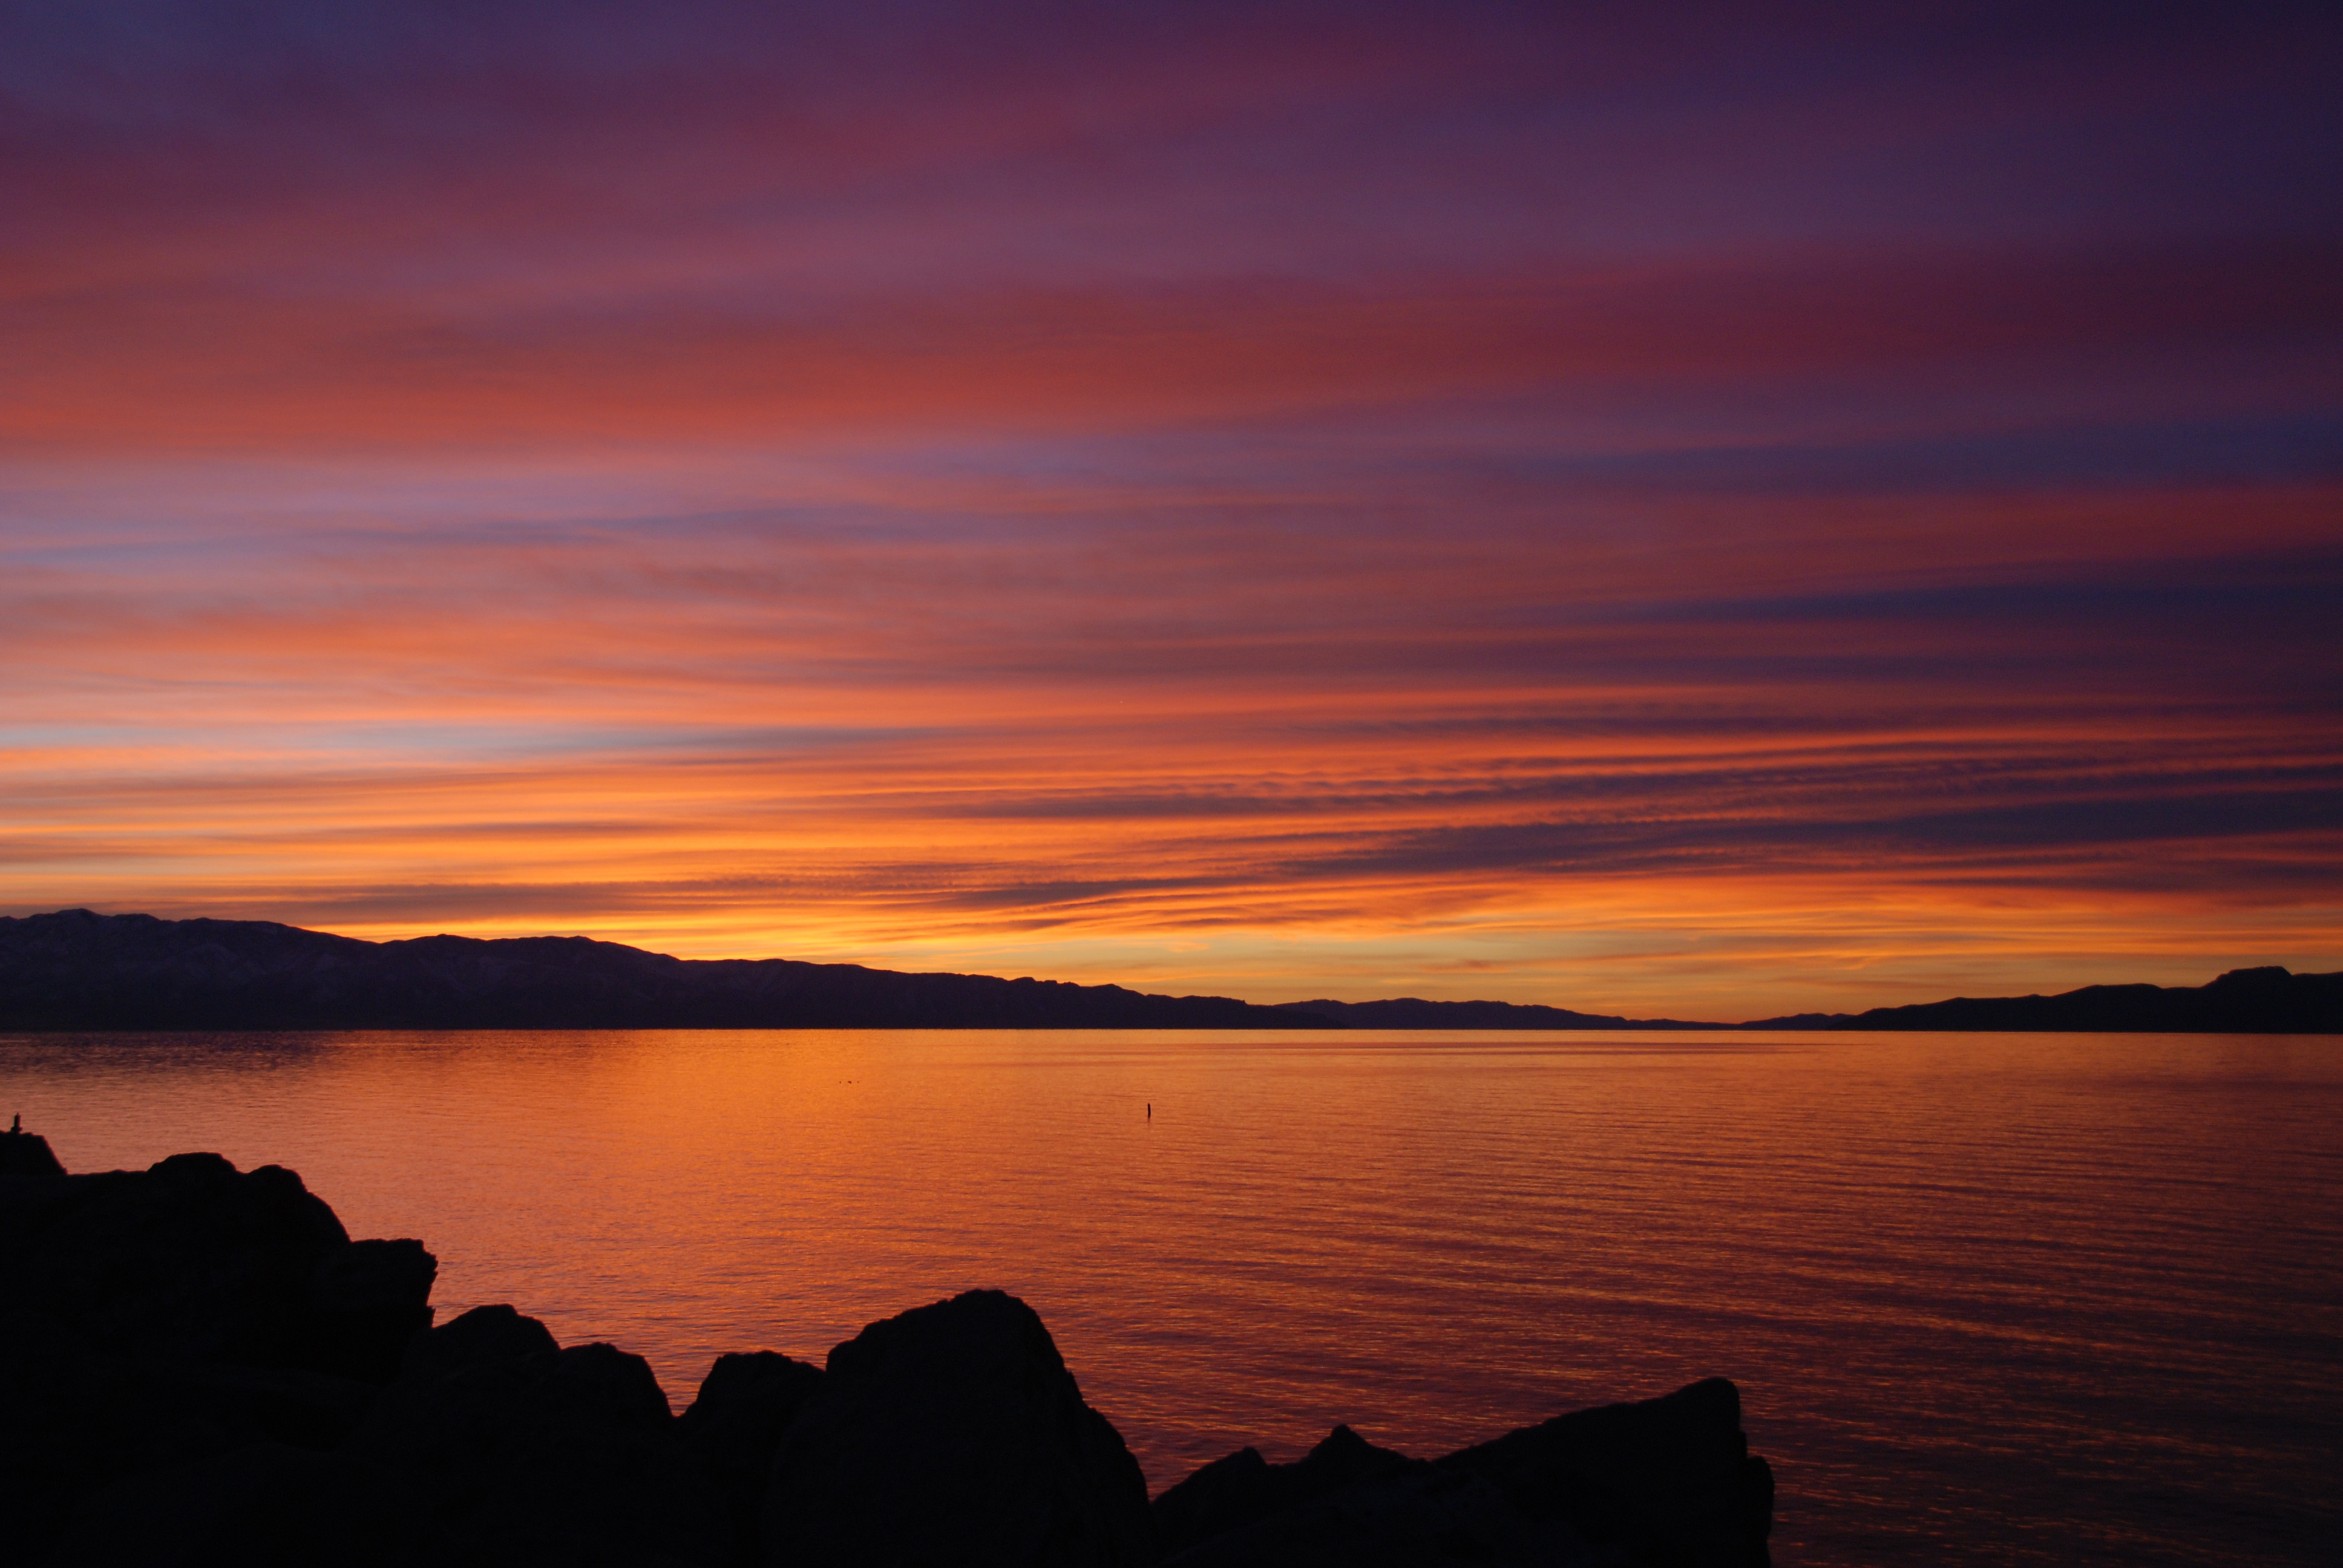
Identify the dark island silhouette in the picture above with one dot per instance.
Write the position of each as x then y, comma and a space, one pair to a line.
2269, 1000
2266, 1001
199, 1366
77, 971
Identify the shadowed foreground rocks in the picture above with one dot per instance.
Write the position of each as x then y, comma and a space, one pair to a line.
953, 1432
1669, 1481
199, 1366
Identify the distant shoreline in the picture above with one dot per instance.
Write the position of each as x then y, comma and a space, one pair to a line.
77, 971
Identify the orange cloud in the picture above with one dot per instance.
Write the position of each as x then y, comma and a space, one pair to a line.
1510, 504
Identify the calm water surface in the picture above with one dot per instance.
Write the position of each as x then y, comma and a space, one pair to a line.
1989, 1298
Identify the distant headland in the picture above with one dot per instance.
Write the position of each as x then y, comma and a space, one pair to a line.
2243, 1002
75, 970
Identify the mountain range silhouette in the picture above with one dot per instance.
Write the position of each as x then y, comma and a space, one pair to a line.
77, 969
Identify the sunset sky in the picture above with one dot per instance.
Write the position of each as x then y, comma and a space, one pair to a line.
1705, 511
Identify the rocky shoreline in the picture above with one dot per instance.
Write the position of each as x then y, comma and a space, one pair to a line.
199, 1366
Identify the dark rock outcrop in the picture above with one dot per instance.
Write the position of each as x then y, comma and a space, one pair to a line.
258, 1503
522, 1453
78, 970
23, 1153
1669, 1481
171, 1317
199, 1367
734, 1428
370, 1299
954, 1433
1243, 1489
193, 1260
483, 1338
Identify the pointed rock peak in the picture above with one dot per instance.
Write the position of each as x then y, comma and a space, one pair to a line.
23, 1153
1344, 1457
1339, 1441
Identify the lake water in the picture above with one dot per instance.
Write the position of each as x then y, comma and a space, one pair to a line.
2006, 1299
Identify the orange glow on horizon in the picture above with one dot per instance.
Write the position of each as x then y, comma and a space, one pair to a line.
1280, 505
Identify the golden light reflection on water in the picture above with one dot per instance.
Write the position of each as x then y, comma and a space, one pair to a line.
2012, 1298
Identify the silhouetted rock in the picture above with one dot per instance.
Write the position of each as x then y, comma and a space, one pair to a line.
171, 1317
195, 1261
261, 1504
78, 970
1668, 1481
372, 1298
1422, 1517
177, 1351
23, 1153
1230, 1493
490, 1336
538, 1456
954, 1434
72, 1422
734, 1428
1671, 1480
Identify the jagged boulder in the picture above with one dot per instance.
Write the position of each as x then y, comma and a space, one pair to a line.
259, 1503
153, 1321
1230, 1493
1668, 1484
23, 1153
192, 1259
521, 1453
491, 1336
734, 1428
954, 1434
368, 1300
1669, 1480
197, 1366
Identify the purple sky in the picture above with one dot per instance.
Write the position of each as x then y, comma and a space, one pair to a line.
1708, 511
